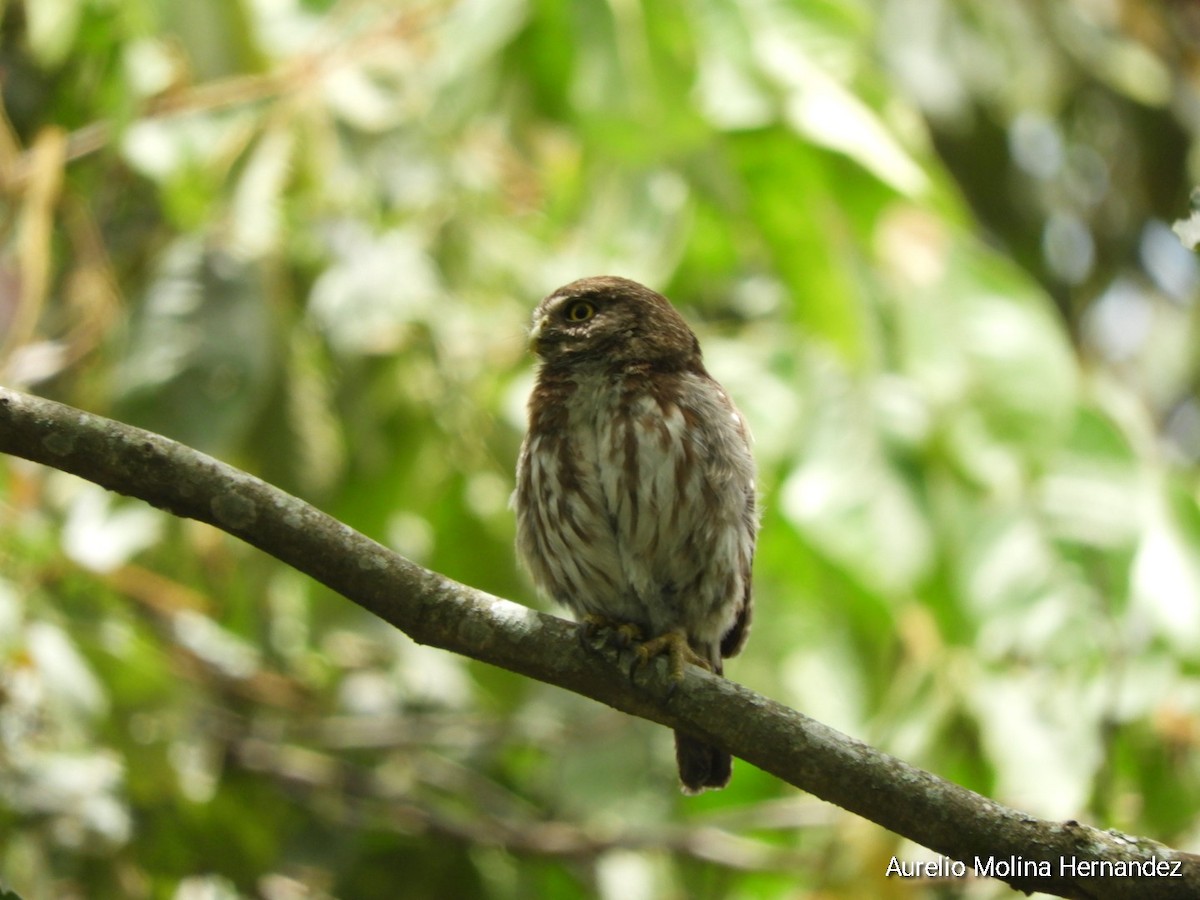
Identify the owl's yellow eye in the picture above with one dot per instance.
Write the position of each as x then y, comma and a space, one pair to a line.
580, 311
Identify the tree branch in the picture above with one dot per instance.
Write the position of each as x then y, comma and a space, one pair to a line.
1067, 859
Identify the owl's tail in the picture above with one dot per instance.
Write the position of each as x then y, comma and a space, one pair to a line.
702, 766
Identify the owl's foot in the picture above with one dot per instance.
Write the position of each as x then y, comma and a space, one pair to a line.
674, 644
600, 631
610, 632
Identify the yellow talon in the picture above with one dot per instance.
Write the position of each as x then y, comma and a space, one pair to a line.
611, 631
679, 652
600, 631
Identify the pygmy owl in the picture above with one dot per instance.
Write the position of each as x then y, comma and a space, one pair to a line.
635, 490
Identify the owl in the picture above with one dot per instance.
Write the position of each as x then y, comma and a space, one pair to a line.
635, 496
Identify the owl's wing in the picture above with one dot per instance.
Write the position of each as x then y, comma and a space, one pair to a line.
735, 638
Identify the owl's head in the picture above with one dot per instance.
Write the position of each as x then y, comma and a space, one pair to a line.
608, 320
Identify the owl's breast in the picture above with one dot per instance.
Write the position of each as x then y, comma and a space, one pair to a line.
636, 493
564, 527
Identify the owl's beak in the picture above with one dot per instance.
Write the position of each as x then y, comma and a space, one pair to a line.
535, 335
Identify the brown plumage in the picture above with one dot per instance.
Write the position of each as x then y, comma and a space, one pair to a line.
635, 486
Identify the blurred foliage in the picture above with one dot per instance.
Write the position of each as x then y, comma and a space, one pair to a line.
926, 246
